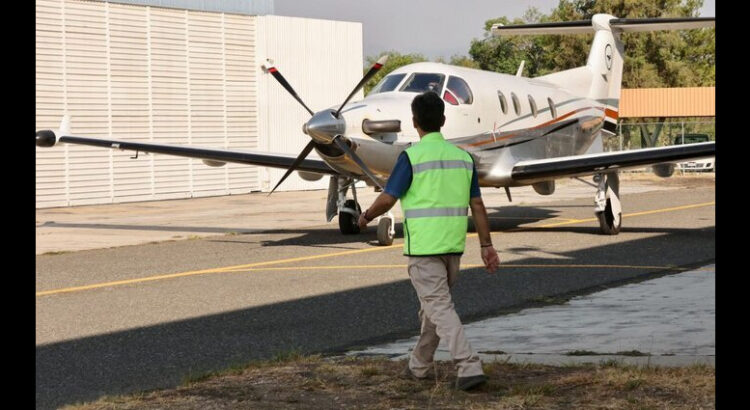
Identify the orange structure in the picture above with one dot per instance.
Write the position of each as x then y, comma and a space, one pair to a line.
668, 102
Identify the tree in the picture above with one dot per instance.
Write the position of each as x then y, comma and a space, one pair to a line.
682, 58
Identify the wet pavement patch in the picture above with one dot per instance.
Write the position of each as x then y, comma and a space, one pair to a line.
671, 316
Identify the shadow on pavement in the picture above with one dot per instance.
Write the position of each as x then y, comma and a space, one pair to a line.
162, 356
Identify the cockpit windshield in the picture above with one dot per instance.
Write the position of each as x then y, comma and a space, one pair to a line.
388, 83
422, 82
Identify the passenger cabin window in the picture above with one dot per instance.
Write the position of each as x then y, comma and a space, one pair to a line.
457, 92
552, 108
532, 104
388, 83
516, 104
423, 82
503, 102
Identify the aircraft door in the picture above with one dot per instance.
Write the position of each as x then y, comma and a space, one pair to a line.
458, 100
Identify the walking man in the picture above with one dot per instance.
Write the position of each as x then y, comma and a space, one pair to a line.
436, 182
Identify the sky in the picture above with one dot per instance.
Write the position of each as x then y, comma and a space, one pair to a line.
434, 28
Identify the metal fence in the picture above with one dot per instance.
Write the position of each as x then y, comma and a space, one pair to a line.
635, 135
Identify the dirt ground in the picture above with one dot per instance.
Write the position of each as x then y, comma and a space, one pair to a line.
314, 382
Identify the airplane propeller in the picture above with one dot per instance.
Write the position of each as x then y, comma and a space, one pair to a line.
338, 139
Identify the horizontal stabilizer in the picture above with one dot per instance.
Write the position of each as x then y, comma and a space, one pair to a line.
619, 25
633, 25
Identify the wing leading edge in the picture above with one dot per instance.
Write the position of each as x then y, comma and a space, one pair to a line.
208, 154
529, 172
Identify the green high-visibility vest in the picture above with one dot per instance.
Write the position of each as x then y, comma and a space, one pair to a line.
436, 204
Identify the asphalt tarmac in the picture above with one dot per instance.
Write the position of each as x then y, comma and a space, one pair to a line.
133, 317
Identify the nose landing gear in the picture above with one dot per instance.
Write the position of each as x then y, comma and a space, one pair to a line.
386, 229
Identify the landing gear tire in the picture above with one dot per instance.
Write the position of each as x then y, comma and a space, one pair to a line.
348, 222
606, 220
384, 232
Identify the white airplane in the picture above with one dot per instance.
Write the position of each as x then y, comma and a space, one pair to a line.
520, 131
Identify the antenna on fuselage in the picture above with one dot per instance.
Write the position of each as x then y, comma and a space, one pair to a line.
520, 68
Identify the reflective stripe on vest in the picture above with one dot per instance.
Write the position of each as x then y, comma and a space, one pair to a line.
436, 204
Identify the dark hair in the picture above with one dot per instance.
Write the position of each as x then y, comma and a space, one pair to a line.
428, 110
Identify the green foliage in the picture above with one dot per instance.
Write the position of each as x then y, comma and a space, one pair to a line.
681, 58
395, 60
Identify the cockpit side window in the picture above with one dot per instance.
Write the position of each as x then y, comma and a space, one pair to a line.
388, 83
422, 82
460, 90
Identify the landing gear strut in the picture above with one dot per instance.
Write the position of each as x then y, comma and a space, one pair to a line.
349, 209
607, 203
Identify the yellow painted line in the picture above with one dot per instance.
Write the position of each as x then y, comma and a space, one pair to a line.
502, 265
313, 257
656, 211
207, 271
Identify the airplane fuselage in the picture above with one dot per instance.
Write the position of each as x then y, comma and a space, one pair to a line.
500, 119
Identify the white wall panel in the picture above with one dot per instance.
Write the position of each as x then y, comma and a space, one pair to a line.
174, 76
322, 60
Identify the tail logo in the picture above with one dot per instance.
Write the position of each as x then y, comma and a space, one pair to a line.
608, 56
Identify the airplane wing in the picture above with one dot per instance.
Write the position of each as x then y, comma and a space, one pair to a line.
218, 156
529, 172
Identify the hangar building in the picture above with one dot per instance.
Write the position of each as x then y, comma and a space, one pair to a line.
190, 75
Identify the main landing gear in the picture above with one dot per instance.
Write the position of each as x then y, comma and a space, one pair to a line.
349, 211
607, 203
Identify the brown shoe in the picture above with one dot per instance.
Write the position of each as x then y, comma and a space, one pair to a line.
470, 382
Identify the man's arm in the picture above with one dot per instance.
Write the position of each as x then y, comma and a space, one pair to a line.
481, 222
383, 203
398, 183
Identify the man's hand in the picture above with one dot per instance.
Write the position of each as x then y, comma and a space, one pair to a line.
382, 204
490, 258
362, 221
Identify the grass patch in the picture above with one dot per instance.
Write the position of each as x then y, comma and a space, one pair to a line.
583, 353
345, 382
633, 353
369, 371
55, 252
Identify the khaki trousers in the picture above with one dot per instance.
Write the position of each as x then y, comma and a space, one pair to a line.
432, 277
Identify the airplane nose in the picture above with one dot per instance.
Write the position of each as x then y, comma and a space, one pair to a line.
323, 126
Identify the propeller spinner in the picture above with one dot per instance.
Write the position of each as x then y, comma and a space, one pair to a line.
327, 127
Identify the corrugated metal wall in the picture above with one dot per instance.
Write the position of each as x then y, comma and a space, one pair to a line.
323, 61
254, 7
668, 102
142, 74
180, 77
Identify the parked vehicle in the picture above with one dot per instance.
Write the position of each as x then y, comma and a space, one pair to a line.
699, 165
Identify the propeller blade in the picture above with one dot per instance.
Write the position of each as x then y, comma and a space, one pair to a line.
280, 78
302, 155
374, 69
342, 144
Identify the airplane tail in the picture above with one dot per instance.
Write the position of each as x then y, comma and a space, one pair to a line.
601, 78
